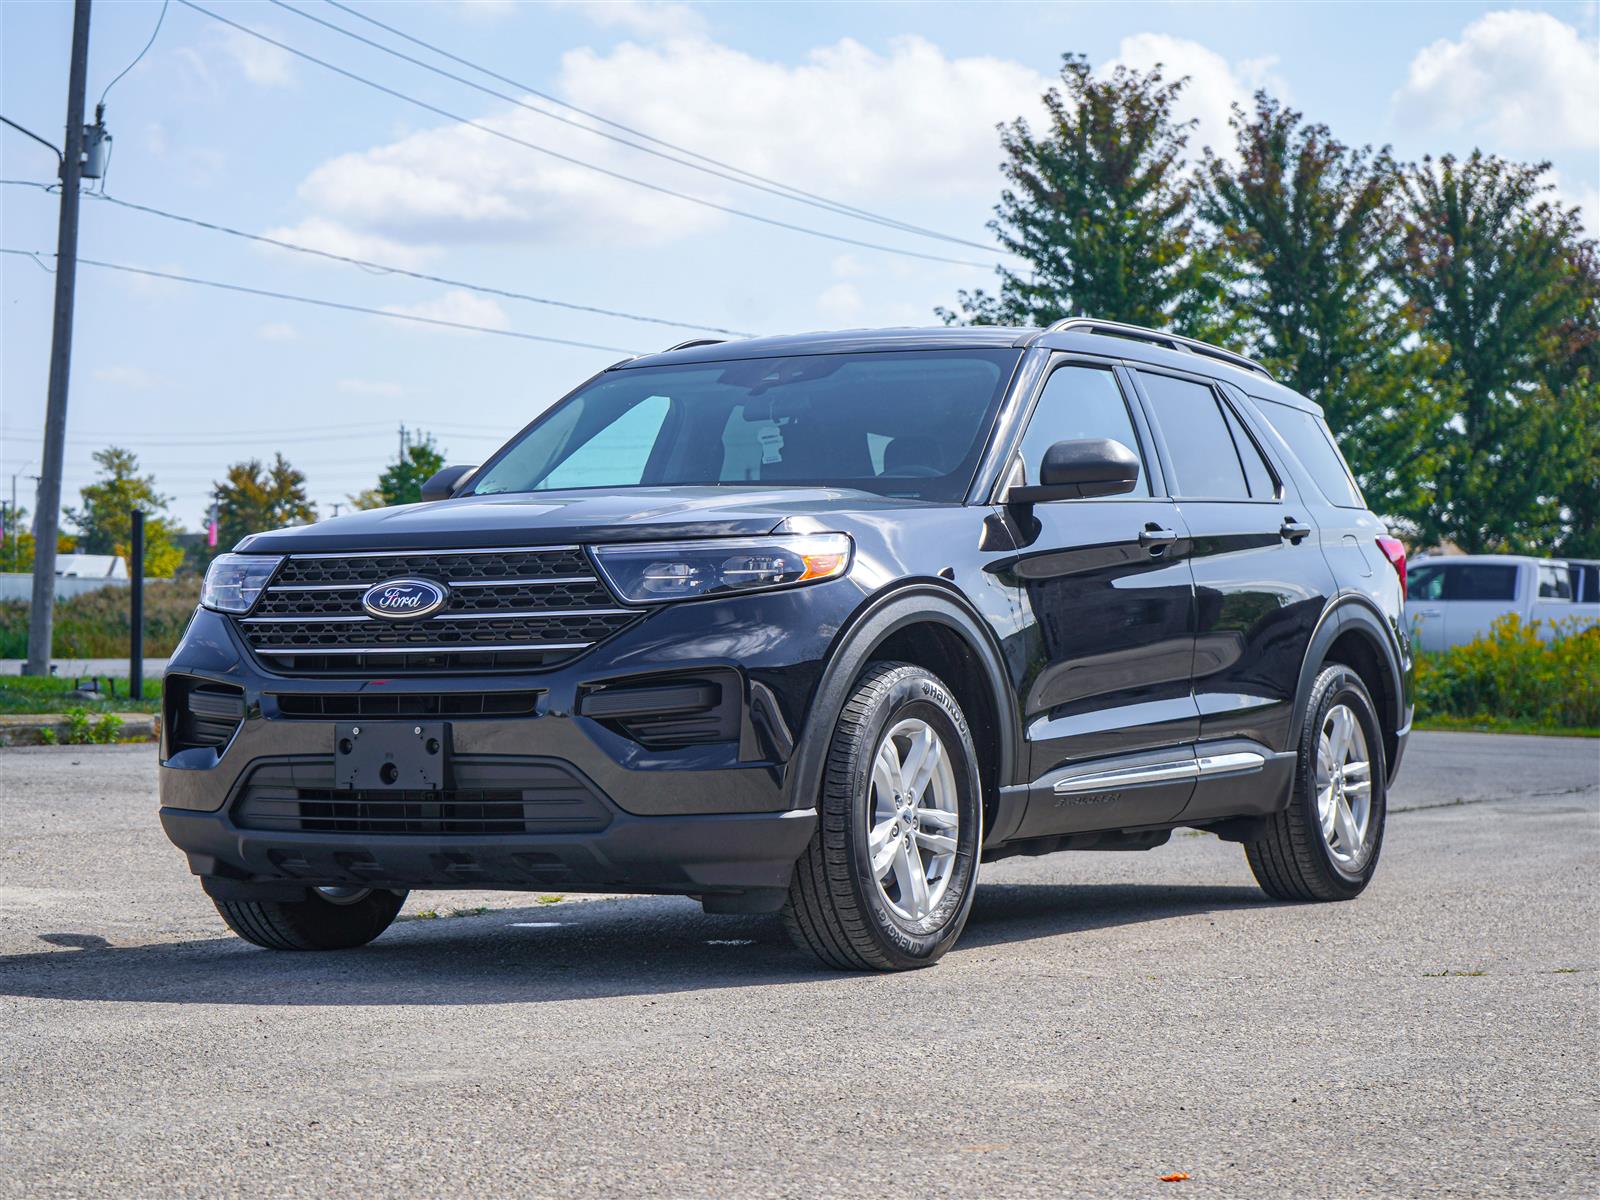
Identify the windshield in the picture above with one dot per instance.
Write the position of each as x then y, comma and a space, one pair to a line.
908, 424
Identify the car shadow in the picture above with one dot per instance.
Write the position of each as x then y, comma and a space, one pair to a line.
594, 949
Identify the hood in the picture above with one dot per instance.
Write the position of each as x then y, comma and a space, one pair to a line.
560, 518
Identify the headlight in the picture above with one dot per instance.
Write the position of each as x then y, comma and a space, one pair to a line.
234, 581
651, 573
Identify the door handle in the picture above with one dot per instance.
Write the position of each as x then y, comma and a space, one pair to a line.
1156, 538
1293, 531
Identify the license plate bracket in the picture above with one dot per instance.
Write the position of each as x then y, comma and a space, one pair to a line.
391, 755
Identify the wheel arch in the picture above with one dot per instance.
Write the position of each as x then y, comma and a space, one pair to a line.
1353, 632
932, 626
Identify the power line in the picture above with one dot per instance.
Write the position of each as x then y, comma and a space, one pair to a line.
578, 162
160, 18
355, 308
388, 269
715, 168
30, 133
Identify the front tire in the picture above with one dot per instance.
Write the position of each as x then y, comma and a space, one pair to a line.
327, 919
888, 880
1325, 845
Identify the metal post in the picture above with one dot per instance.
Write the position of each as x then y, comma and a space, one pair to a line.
136, 615
47, 510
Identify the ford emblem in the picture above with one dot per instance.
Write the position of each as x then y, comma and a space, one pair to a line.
404, 599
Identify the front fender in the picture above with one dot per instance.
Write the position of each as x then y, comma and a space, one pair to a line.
923, 601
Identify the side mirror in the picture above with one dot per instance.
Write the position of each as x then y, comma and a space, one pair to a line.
443, 483
1080, 469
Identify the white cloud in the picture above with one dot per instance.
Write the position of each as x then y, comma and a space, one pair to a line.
133, 378
277, 331
369, 387
848, 266
1526, 80
261, 63
867, 126
1583, 196
639, 17
459, 306
319, 233
842, 302
1215, 85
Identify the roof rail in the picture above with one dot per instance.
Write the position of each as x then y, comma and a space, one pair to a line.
693, 342
1157, 337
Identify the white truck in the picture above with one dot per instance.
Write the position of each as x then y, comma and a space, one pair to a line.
1452, 600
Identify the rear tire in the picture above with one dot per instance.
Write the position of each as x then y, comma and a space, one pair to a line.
319, 922
1325, 845
901, 790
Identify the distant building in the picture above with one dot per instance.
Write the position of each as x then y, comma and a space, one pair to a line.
91, 566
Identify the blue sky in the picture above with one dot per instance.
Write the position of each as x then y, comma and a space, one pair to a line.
886, 107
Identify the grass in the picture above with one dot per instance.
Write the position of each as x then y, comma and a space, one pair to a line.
52, 694
1484, 724
96, 624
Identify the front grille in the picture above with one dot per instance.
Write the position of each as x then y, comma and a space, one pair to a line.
506, 610
489, 796
407, 704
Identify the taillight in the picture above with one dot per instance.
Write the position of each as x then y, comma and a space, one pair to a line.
1395, 551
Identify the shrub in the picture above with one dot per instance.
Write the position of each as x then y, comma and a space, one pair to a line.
96, 624
1514, 673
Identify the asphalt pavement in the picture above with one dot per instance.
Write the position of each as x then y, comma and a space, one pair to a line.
1106, 1020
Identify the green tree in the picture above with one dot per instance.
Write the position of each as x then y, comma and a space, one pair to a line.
105, 522
256, 497
1575, 380
1308, 229
1492, 267
17, 552
401, 482
1099, 207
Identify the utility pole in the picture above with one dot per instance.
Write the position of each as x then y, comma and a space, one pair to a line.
136, 607
47, 512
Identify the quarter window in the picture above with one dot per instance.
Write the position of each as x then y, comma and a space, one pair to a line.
1309, 437
1080, 402
1205, 460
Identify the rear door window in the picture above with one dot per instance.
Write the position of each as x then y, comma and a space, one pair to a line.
1205, 460
1312, 442
1263, 483
1554, 582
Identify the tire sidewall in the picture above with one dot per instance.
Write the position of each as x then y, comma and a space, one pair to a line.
916, 693
1341, 685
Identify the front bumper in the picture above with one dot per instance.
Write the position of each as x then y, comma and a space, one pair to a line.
709, 819
701, 855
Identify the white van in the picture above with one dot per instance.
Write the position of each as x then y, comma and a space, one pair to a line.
1451, 601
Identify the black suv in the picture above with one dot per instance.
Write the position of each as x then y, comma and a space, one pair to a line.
813, 624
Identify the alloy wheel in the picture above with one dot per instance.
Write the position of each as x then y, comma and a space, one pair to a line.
912, 820
1344, 788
